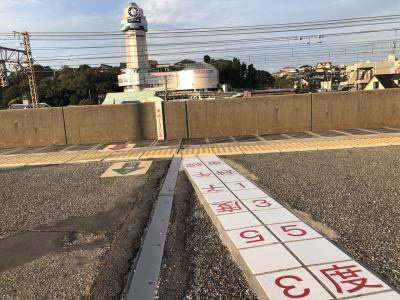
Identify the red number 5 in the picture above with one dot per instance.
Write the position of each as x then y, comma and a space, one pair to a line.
293, 231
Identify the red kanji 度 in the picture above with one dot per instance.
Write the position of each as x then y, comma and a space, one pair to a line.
214, 163
350, 275
202, 174
193, 165
212, 188
228, 206
225, 172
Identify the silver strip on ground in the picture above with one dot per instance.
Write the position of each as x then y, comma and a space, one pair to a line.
146, 275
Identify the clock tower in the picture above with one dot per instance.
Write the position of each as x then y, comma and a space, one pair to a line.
134, 25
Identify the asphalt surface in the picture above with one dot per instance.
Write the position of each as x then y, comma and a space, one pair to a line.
355, 193
196, 264
66, 233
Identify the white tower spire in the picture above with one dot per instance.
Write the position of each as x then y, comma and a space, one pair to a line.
134, 25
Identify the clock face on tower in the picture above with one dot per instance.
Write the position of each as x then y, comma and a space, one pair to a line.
133, 11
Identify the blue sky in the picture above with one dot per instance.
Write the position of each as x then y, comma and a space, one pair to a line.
103, 15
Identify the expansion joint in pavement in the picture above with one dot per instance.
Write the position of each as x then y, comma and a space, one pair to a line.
144, 283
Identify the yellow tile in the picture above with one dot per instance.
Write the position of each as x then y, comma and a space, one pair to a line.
159, 153
285, 147
188, 152
233, 150
125, 155
253, 149
205, 151
56, 158
18, 160
90, 156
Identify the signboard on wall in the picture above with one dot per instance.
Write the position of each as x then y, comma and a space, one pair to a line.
159, 120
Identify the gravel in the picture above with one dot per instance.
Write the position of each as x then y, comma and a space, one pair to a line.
66, 233
196, 263
355, 192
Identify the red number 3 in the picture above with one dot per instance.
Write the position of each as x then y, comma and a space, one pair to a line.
288, 288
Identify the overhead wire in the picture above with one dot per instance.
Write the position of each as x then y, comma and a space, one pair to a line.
214, 47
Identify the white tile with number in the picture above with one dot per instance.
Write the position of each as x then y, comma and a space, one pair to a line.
227, 207
294, 231
252, 237
261, 203
292, 284
348, 278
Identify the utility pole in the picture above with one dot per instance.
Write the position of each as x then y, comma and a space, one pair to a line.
8, 56
166, 87
29, 68
14, 56
3, 74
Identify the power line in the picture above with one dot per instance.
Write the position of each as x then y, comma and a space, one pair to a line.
220, 34
350, 46
357, 20
282, 38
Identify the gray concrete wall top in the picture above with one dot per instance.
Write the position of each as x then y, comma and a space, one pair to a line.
32, 127
106, 123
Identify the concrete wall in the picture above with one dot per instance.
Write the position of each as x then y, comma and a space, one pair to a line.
147, 119
102, 124
364, 109
227, 117
200, 119
31, 128
175, 120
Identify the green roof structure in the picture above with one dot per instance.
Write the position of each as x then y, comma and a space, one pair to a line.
129, 97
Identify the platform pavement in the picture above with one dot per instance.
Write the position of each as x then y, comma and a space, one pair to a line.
272, 143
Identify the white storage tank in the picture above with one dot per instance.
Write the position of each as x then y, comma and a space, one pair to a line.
198, 76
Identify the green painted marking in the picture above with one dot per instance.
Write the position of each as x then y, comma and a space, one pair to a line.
128, 168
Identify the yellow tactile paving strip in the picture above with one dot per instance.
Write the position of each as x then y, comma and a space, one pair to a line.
252, 149
7, 161
125, 155
17, 160
90, 156
54, 158
159, 153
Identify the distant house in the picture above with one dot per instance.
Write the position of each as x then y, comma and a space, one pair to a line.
324, 66
305, 69
383, 81
184, 63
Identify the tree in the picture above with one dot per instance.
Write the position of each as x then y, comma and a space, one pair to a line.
284, 82
67, 86
239, 75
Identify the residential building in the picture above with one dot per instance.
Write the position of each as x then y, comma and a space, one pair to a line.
360, 74
383, 81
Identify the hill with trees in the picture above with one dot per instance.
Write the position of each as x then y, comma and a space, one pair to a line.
67, 86
240, 75
88, 85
